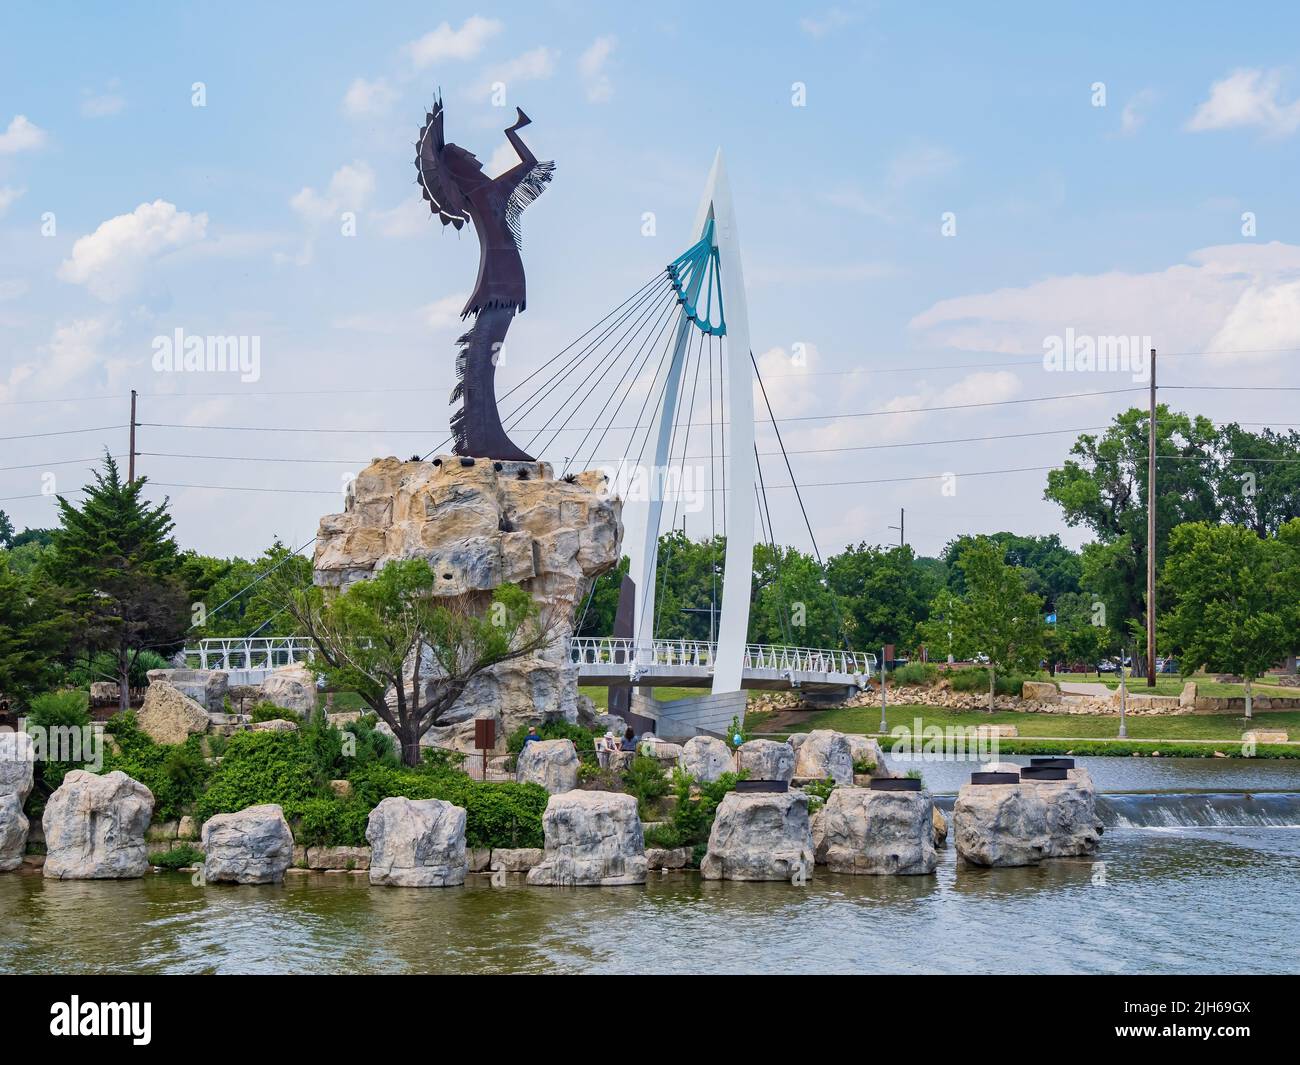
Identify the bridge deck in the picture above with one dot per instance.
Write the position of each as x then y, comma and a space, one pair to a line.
600, 661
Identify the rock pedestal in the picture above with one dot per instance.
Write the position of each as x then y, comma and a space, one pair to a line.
551, 763
706, 758
877, 832
169, 715
823, 754
253, 846
94, 827
290, 688
207, 687
765, 760
417, 843
480, 526
1073, 828
1000, 824
592, 838
16, 775
760, 836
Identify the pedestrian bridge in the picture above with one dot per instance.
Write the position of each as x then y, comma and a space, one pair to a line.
601, 660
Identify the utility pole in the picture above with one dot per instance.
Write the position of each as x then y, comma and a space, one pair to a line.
1151, 529
901, 527
130, 466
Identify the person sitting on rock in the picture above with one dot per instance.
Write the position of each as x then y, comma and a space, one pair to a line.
532, 736
629, 741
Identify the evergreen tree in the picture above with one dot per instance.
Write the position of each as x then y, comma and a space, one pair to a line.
34, 632
117, 560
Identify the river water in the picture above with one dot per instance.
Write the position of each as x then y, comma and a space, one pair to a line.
1215, 894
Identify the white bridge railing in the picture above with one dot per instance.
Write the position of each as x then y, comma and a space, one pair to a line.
268, 653
608, 650
258, 653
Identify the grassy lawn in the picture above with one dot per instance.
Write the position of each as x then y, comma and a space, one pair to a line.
600, 696
1172, 684
1225, 727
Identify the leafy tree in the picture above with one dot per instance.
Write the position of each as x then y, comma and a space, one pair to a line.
791, 601
391, 633
1082, 635
6, 531
117, 560
996, 616
1258, 478
1051, 569
34, 631
1104, 488
886, 592
234, 592
597, 618
1234, 611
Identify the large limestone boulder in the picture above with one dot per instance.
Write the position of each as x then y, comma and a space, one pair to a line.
207, 687
1001, 824
823, 754
706, 758
760, 836
16, 774
592, 838
253, 846
551, 763
667, 754
169, 715
290, 687
878, 832
479, 526
765, 760
1040, 691
866, 750
1073, 828
94, 827
417, 843
940, 828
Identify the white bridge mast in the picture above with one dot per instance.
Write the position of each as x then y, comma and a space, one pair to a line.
715, 206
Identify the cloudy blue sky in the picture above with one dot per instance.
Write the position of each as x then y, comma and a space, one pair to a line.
1111, 169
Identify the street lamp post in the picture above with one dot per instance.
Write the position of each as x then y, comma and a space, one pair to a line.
884, 725
1123, 698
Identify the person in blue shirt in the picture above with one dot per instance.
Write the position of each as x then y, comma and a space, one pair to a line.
532, 735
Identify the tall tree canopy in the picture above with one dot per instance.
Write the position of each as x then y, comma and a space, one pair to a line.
886, 593
116, 558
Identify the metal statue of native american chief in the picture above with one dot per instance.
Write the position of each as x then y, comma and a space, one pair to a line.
453, 182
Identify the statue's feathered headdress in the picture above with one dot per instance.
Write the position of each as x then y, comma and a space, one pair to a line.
436, 184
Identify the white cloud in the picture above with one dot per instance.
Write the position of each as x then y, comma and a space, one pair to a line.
366, 99
1227, 298
591, 66
103, 104
818, 26
12, 290
1134, 116
535, 65
22, 136
918, 162
350, 189
446, 43
8, 197
1248, 98
409, 218
442, 314
110, 260
74, 350
503, 158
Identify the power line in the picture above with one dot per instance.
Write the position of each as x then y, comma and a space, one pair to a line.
65, 432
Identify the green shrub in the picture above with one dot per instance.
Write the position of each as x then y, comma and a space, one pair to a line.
918, 673
645, 779
818, 792
375, 746
177, 858
259, 767
271, 712
69, 709
176, 775
969, 679
863, 767
692, 818
1011, 684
